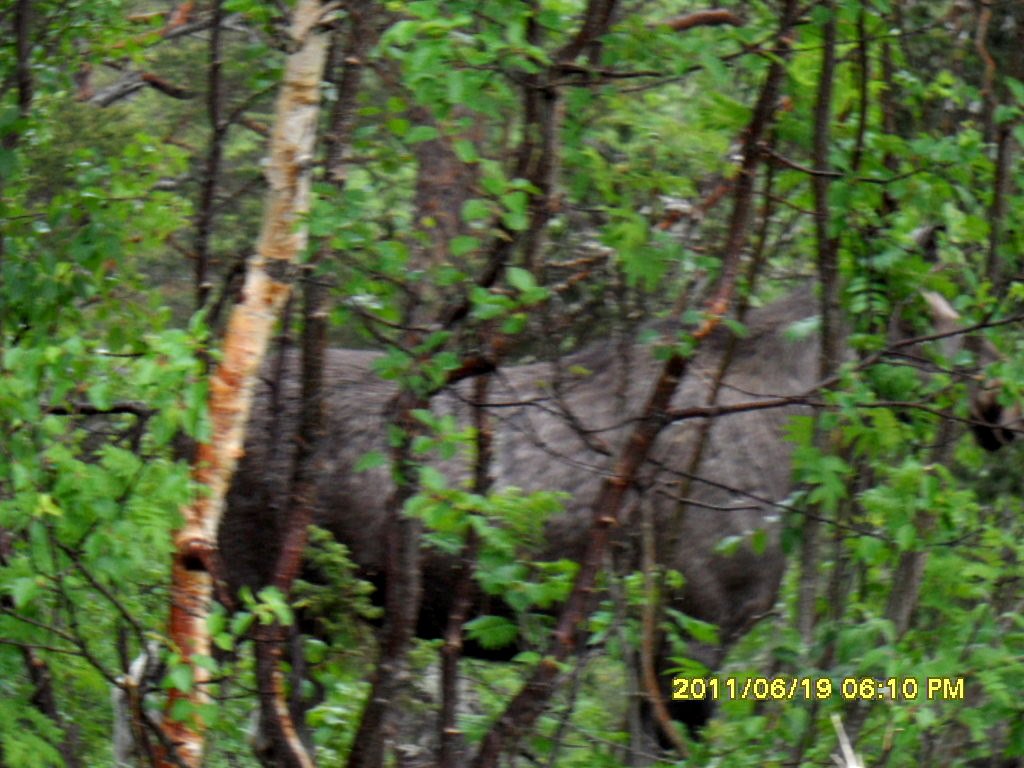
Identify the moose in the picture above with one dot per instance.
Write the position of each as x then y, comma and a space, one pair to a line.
557, 426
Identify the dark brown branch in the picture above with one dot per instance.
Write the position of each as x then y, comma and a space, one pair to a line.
348, 82
863, 80
995, 269
827, 245
915, 340
260, 129
22, 76
87, 409
188, 28
23, 59
596, 20
829, 174
649, 625
450, 737
211, 168
593, 75
73, 633
813, 172
278, 721
402, 562
710, 18
229, 287
402, 591
828, 278
988, 92
167, 88
125, 614
136, 81
651, 685
717, 409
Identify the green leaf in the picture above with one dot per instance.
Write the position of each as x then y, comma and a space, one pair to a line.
492, 631
521, 279
370, 460
464, 244
759, 541
514, 324
421, 133
179, 677
216, 621
46, 506
465, 150
399, 126
432, 479
906, 537
701, 631
241, 622
528, 658
100, 395
24, 590
476, 210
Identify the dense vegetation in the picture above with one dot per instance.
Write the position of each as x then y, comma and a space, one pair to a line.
523, 176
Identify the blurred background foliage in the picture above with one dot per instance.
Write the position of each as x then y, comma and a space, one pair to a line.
129, 152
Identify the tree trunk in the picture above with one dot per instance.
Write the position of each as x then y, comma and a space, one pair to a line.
267, 286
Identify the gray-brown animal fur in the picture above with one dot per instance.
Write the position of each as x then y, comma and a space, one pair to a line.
536, 449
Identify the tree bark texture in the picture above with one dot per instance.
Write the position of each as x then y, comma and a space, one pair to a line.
281, 724
267, 286
828, 278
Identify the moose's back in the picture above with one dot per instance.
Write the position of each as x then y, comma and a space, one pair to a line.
564, 442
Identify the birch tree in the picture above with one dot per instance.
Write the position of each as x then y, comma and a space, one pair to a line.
271, 273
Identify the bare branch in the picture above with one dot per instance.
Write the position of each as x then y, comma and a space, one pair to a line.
710, 18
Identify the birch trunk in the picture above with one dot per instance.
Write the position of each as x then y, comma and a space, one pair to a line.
268, 283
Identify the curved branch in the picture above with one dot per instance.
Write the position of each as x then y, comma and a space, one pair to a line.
711, 18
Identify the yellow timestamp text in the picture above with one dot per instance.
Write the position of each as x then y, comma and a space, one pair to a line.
817, 688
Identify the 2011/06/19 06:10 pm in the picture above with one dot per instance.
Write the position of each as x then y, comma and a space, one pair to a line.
788, 688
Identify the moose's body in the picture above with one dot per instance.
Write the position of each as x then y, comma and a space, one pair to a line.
564, 443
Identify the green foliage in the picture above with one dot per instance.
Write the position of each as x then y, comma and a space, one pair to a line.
28, 740
492, 631
335, 597
93, 384
338, 605
101, 371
